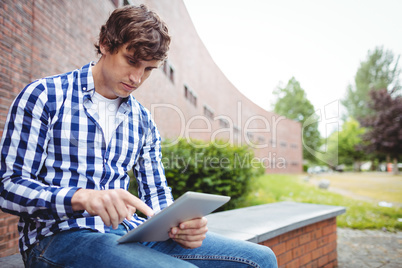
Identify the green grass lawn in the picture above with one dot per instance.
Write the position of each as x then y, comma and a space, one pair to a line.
359, 214
377, 186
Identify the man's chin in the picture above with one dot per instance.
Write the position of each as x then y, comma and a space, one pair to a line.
122, 93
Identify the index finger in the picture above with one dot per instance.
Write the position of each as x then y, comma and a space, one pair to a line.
134, 201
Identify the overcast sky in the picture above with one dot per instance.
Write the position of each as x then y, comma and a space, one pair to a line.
260, 44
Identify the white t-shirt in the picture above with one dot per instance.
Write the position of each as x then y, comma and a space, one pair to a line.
107, 110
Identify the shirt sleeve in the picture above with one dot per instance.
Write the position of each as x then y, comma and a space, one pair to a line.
153, 188
22, 154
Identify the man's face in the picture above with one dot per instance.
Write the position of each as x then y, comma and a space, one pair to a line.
120, 74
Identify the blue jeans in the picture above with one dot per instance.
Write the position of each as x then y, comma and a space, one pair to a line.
86, 248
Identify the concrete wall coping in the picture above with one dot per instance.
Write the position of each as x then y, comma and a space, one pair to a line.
260, 223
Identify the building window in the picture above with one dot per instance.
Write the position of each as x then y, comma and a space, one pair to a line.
223, 123
208, 112
236, 130
273, 143
168, 70
250, 136
165, 67
190, 95
171, 73
294, 145
283, 144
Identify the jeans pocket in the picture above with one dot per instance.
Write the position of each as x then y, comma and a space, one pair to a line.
35, 256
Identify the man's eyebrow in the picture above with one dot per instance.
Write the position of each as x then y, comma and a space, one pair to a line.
130, 56
133, 58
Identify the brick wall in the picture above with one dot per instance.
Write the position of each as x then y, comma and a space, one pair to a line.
8, 234
310, 246
279, 139
40, 38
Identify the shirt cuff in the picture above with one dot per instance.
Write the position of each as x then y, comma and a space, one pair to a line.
61, 202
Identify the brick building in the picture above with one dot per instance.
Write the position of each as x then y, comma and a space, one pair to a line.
189, 96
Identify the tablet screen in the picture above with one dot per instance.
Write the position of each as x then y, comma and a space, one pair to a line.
189, 206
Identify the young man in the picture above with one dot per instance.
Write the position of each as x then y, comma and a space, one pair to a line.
68, 143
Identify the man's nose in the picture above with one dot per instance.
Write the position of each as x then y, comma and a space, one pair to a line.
136, 76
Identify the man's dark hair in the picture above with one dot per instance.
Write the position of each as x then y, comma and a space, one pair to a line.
140, 28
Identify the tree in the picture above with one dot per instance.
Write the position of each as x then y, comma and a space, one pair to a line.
292, 103
349, 142
344, 146
379, 71
384, 133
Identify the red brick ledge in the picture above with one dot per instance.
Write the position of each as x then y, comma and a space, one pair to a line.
311, 246
301, 235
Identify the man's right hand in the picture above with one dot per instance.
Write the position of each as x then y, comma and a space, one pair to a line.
111, 205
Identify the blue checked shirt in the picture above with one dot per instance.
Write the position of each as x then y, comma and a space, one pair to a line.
52, 145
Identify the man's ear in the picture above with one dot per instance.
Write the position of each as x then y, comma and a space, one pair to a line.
103, 49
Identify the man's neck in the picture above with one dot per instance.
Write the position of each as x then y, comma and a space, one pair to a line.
99, 80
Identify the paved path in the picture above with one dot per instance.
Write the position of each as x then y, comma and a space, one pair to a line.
369, 248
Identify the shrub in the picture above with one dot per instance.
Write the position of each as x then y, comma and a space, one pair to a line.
305, 167
216, 168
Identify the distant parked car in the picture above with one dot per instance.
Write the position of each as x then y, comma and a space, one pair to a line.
316, 170
340, 168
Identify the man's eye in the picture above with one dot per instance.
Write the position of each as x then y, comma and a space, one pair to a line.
131, 61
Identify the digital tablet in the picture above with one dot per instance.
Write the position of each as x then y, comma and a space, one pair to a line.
189, 206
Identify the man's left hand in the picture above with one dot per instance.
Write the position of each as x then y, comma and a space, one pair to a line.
190, 234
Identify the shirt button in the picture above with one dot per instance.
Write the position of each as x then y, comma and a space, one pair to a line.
64, 218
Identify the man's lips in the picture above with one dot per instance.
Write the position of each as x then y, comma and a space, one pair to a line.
128, 87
